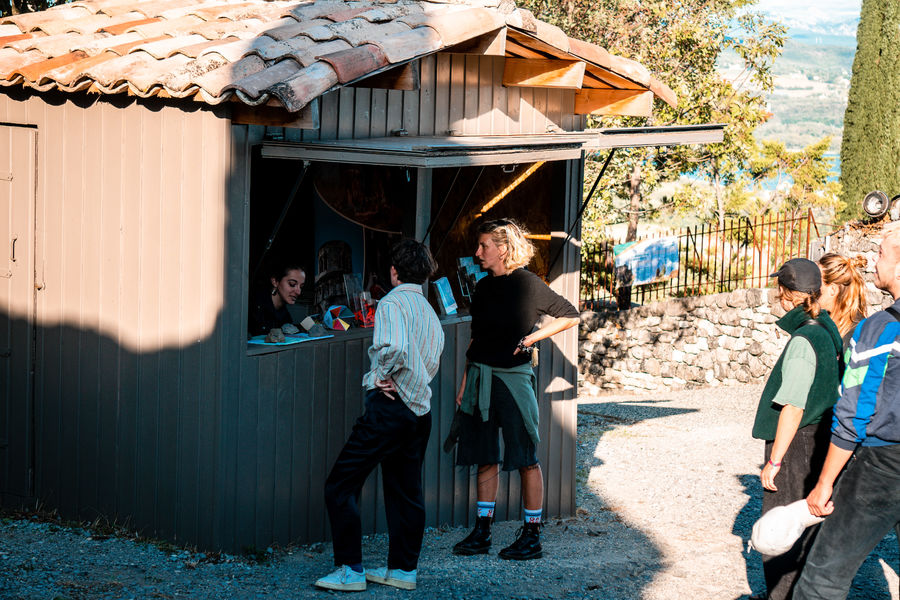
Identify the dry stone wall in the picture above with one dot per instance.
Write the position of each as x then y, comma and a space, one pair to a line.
701, 341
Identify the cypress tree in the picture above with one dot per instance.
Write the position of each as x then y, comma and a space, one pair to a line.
870, 151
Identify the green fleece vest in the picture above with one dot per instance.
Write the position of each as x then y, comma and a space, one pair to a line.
823, 393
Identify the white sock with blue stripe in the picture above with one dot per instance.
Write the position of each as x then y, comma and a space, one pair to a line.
485, 509
533, 516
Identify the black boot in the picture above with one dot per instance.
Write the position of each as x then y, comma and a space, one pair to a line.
478, 541
527, 546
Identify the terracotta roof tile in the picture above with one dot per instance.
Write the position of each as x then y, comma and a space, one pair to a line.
216, 80
383, 14
347, 13
167, 46
553, 35
126, 26
589, 52
69, 74
33, 71
630, 69
92, 23
265, 51
224, 28
294, 28
169, 9
195, 50
353, 63
235, 12
458, 26
320, 33
119, 7
308, 57
55, 44
144, 78
310, 83
416, 42
174, 27
8, 39
181, 79
253, 86
314, 10
31, 21
363, 33
118, 44
11, 60
113, 73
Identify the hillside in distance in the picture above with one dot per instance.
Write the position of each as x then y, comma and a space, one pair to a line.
812, 79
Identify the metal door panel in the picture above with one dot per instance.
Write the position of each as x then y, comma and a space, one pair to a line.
17, 301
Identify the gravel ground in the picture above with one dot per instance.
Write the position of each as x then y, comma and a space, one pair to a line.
667, 494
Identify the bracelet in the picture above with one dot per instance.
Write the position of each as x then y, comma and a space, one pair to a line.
774, 464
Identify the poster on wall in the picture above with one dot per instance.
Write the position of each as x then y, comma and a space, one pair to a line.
647, 261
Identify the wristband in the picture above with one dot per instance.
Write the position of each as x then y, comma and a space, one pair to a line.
774, 464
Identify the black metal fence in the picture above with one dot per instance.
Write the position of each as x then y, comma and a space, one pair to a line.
698, 260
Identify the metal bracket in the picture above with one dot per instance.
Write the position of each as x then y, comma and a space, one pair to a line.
6, 176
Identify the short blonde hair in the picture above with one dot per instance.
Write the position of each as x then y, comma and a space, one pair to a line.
506, 232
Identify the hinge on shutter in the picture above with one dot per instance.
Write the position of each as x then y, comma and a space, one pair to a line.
6, 176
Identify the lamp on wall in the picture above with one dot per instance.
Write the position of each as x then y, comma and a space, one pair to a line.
876, 204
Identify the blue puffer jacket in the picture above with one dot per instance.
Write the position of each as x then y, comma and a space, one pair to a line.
868, 411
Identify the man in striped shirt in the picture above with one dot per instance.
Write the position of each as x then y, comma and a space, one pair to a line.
865, 503
393, 431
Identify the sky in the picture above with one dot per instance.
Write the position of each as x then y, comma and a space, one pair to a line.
811, 10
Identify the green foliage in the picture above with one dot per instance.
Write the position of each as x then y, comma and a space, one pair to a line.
15, 7
800, 177
870, 153
680, 43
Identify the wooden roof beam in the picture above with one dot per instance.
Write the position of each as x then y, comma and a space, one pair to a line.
404, 77
276, 116
546, 73
628, 103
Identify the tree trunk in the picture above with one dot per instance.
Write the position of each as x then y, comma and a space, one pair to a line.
634, 191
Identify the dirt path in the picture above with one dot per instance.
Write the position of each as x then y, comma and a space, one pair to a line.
667, 493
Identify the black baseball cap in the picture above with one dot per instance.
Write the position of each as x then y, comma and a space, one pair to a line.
800, 275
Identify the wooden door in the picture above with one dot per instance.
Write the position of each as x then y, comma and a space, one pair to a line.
17, 304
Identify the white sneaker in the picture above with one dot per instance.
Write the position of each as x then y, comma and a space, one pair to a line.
344, 579
398, 578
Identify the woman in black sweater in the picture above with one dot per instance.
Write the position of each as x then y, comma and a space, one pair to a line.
268, 304
498, 385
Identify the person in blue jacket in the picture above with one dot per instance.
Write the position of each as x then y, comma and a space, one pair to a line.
865, 436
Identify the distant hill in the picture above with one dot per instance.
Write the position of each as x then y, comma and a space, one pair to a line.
812, 81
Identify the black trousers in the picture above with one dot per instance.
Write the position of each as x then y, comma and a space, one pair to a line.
390, 434
866, 507
799, 473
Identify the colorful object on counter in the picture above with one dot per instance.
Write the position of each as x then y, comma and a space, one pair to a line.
337, 317
365, 316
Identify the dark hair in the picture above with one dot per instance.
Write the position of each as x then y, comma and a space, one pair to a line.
413, 261
279, 267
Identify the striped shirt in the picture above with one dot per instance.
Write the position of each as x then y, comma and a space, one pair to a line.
407, 346
868, 411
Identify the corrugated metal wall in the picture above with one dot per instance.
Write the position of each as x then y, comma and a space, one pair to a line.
458, 92
129, 248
